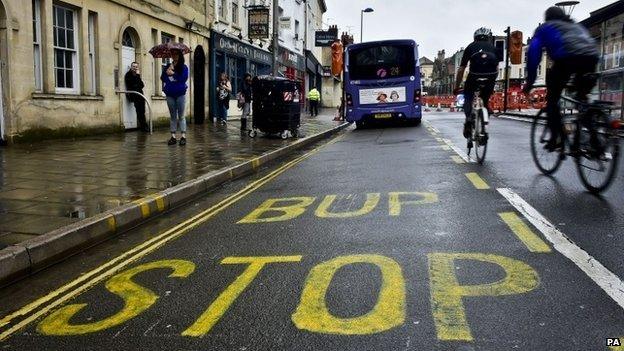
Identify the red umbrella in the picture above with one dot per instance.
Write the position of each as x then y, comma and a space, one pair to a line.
164, 50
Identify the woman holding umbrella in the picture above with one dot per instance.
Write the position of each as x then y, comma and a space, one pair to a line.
174, 78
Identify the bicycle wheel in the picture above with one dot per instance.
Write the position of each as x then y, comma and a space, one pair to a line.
480, 137
598, 156
547, 162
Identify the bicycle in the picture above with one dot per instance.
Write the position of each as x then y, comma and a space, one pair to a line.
480, 119
589, 135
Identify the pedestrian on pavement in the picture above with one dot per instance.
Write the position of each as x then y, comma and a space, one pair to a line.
314, 96
224, 89
246, 96
135, 83
174, 77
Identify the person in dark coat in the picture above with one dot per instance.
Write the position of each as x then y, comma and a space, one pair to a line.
246, 94
135, 83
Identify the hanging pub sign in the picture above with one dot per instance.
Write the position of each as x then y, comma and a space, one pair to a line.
259, 23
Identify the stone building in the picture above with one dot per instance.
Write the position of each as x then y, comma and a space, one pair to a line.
606, 26
62, 62
426, 73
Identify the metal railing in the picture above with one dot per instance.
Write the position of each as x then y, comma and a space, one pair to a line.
149, 106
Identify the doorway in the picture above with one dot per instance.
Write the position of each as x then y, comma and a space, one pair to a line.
199, 82
128, 55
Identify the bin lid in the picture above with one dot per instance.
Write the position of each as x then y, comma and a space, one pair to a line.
273, 78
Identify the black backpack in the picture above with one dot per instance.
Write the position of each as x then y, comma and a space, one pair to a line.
484, 62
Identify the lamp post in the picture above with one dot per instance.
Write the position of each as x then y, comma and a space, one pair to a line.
367, 10
567, 6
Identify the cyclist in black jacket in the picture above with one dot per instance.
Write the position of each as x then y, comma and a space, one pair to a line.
483, 59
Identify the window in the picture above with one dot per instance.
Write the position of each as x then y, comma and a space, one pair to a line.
539, 70
296, 30
166, 38
91, 37
395, 60
38, 69
64, 22
222, 10
235, 12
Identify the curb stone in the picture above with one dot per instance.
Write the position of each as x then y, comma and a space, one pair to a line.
23, 259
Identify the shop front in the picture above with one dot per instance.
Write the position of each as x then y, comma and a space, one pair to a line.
314, 73
292, 66
235, 58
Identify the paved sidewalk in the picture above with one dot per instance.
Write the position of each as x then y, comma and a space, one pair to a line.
48, 185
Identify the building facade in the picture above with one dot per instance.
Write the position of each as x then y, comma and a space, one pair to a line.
233, 52
63, 62
426, 74
606, 26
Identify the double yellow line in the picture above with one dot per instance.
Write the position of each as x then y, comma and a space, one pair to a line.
54, 299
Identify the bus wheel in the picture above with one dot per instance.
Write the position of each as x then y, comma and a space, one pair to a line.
414, 122
359, 124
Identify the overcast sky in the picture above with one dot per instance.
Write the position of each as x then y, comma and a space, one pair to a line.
443, 24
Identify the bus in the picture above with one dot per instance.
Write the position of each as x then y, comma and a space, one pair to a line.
382, 82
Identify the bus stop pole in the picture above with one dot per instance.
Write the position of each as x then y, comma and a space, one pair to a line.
149, 106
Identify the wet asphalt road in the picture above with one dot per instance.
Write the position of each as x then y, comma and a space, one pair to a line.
378, 240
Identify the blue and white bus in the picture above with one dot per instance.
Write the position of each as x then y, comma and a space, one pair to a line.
382, 82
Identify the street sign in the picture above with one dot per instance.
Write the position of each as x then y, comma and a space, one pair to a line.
285, 22
259, 23
325, 37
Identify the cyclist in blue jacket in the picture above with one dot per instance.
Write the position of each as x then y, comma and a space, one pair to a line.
573, 52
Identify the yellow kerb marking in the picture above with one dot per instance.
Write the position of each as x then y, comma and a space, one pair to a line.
477, 181
448, 310
284, 213
218, 308
43, 305
396, 204
313, 315
445, 147
112, 223
439, 140
372, 200
533, 242
458, 159
255, 163
137, 300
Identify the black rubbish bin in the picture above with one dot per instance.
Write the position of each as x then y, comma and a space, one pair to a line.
276, 108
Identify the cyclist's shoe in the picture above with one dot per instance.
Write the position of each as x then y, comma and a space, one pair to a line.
483, 139
467, 130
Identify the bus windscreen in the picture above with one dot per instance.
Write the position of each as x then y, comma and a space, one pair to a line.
381, 62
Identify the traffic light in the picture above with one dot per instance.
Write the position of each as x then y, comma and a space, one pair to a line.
515, 48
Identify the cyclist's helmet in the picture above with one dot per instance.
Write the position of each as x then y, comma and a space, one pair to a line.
482, 33
555, 13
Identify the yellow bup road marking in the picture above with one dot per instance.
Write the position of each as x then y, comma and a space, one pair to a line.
295, 207
313, 315
477, 181
533, 242
137, 300
52, 300
372, 200
218, 308
396, 205
448, 310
